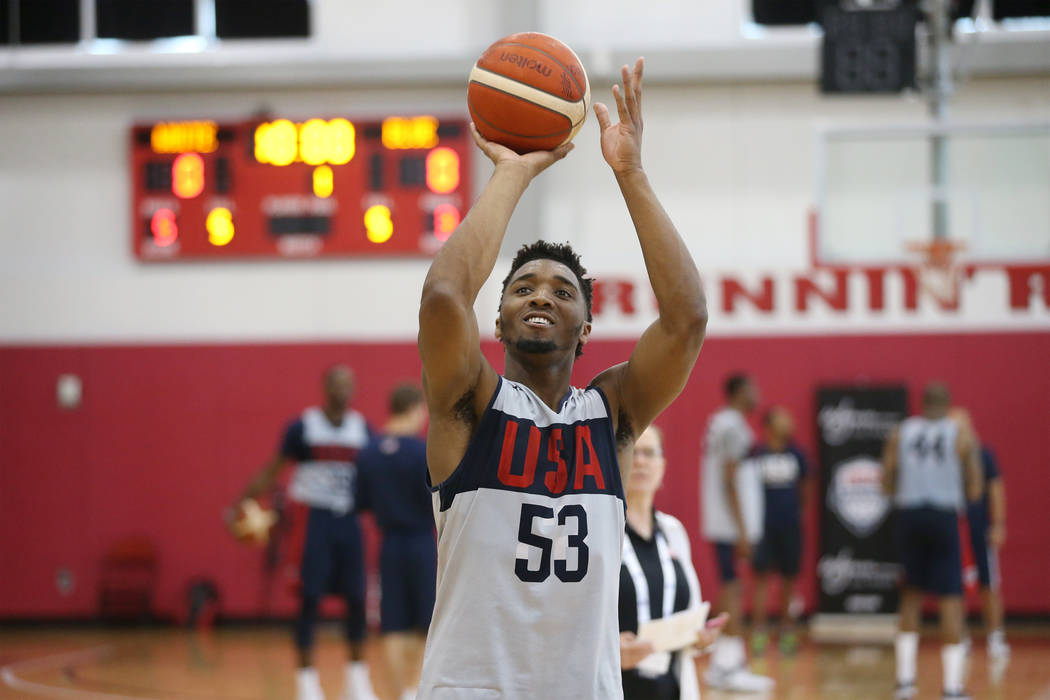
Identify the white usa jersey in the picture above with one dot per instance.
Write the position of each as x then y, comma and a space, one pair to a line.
929, 471
530, 529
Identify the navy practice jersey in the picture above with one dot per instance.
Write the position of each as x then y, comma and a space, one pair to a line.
530, 528
781, 473
392, 483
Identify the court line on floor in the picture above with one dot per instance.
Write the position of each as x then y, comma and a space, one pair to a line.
54, 661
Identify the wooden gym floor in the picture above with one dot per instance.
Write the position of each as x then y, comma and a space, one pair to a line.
256, 663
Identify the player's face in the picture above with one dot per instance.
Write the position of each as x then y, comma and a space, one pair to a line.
647, 469
339, 386
543, 310
781, 424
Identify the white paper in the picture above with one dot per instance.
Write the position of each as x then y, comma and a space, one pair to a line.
675, 632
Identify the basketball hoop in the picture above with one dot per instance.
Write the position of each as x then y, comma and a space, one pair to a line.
939, 271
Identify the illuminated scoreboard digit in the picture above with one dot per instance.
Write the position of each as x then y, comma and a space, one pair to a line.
298, 188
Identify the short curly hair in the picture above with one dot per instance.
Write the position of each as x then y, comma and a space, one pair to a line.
560, 253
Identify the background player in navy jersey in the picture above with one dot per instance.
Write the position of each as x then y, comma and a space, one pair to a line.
782, 467
392, 483
530, 502
323, 443
987, 523
930, 468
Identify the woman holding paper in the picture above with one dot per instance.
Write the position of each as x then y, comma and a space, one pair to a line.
657, 581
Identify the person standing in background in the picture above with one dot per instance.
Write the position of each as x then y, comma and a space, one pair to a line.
930, 469
783, 470
657, 579
732, 496
324, 443
987, 524
392, 483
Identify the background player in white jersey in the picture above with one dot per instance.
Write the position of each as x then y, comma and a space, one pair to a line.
530, 503
323, 442
927, 461
732, 522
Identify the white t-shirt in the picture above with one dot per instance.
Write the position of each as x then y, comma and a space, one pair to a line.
729, 438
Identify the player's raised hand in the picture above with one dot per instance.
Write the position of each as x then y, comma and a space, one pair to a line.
622, 142
535, 162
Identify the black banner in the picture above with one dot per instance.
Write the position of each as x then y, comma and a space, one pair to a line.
858, 571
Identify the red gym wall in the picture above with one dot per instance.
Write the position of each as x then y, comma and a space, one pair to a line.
168, 435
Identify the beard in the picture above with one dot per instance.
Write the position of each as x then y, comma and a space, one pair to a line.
534, 346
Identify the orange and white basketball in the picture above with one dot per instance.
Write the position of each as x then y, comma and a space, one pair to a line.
529, 92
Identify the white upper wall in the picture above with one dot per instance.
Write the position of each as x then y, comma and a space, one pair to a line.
733, 164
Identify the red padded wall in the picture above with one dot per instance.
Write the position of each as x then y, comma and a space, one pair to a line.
168, 435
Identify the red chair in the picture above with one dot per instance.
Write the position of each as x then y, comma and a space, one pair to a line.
128, 580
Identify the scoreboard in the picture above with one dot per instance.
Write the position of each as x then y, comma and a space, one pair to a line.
278, 188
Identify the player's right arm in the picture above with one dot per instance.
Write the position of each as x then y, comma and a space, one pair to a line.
743, 544
889, 462
457, 380
264, 480
969, 451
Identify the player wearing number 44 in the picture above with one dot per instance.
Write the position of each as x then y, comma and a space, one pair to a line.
529, 470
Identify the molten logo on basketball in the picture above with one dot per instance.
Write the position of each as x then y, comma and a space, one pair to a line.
526, 63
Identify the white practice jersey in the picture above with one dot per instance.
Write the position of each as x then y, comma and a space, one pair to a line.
326, 455
929, 472
729, 438
530, 528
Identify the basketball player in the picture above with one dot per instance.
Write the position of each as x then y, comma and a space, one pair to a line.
987, 520
782, 468
732, 518
926, 463
527, 468
392, 482
324, 442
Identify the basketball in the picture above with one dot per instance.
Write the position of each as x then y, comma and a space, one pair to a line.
251, 523
529, 92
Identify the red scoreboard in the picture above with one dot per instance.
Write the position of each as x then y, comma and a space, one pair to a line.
298, 189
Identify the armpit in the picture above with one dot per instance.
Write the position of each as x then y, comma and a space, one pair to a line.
464, 409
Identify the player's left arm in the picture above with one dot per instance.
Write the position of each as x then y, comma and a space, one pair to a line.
968, 449
889, 462
665, 354
996, 512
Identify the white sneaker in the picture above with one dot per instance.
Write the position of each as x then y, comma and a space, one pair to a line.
308, 685
358, 684
998, 649
738, 680
905, 691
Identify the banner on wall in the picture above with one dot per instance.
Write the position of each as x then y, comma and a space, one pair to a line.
857, 572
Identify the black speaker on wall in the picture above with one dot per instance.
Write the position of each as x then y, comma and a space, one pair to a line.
257, 19
868, 50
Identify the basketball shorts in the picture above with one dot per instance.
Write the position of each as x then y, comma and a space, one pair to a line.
408, 578
929, 550
780, 549
333, 556
985, 557
725, 552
